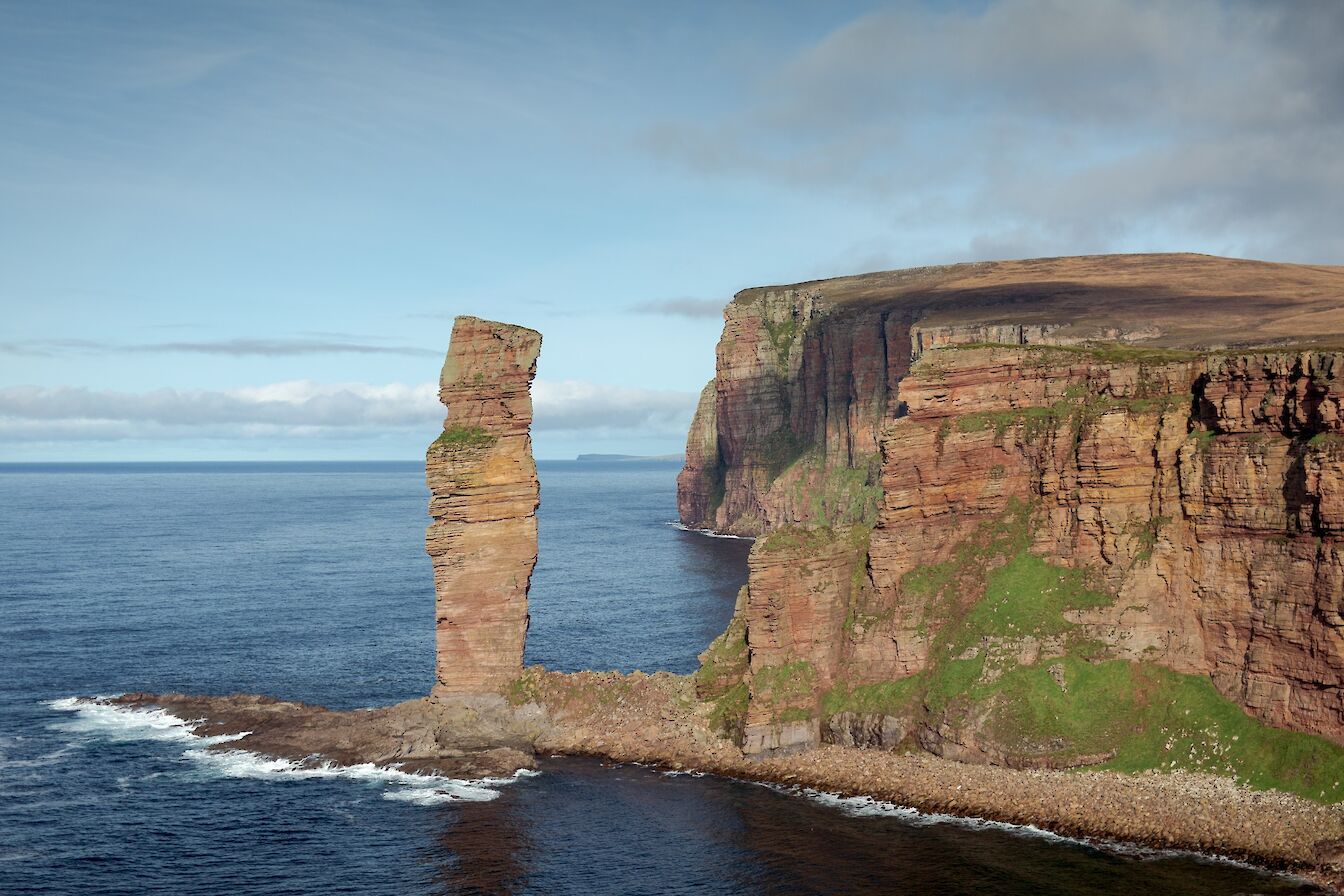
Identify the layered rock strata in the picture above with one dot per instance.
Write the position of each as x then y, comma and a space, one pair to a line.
1201, 494
483, 500
807, 374
1078, 487
790, 433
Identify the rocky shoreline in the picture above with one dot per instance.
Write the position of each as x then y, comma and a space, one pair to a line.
656, 720
835, 604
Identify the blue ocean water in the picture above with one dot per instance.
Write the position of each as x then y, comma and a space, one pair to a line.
309, 581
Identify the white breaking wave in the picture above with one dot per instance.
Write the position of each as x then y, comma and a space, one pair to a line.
110, 722
123, 723
708, 532
867, 806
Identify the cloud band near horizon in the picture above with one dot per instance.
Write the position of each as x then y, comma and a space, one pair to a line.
306, 409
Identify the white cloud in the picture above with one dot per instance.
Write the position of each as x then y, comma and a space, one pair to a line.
1053, 127
308, 409
576, 405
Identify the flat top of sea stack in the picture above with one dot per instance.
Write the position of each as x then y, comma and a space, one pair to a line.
1181, 300
485, 347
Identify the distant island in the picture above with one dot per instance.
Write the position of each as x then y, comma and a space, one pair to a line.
605, 457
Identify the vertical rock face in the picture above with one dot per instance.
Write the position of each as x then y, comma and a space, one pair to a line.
700, 483
483, 502
789, 432
801, 583
1199, 491
974, 493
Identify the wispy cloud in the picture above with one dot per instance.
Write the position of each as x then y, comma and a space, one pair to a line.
271, 348
692, 308
1049, 126
307, 409
577, 405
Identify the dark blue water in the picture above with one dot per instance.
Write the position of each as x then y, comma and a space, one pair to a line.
309, 581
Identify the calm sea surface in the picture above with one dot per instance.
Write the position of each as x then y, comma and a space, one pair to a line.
309, 581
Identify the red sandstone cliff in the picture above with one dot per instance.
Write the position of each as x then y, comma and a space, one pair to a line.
1105, 488
807, 374
1203, 494
483, 501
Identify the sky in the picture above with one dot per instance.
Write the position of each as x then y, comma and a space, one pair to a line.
241, 230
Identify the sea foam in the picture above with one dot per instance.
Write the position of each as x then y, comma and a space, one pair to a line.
866, 806
709, 532
103, 721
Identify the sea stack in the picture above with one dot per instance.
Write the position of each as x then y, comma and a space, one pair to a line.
483, 505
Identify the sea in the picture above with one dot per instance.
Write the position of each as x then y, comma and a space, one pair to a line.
309, 581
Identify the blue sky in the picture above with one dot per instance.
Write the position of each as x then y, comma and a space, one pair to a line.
242, 229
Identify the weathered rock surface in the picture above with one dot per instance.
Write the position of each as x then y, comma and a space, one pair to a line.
791, 435
806, 374
801, 584
700, 483
1201, 490
483, 500
1193, 485
1141, 519
467, 737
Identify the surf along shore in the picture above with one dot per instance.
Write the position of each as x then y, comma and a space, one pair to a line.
655, 719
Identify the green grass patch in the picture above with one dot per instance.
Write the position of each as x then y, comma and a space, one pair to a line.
522, 690
889, 698
1184, 723
464, 437
724, 662
950, 681
1147, 534
1033, 714
729, 713
838, 495
1033, 420
797, 538
785, 682
940, 586
1029, 596
781, 336
1203, 439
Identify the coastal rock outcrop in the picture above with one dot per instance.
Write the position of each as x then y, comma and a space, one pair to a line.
1080, 496
1195, 494
483, 501
807, 375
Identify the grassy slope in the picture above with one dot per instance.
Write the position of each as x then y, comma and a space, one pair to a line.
1073, 701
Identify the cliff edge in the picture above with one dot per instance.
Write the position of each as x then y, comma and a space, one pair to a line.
1053, 513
